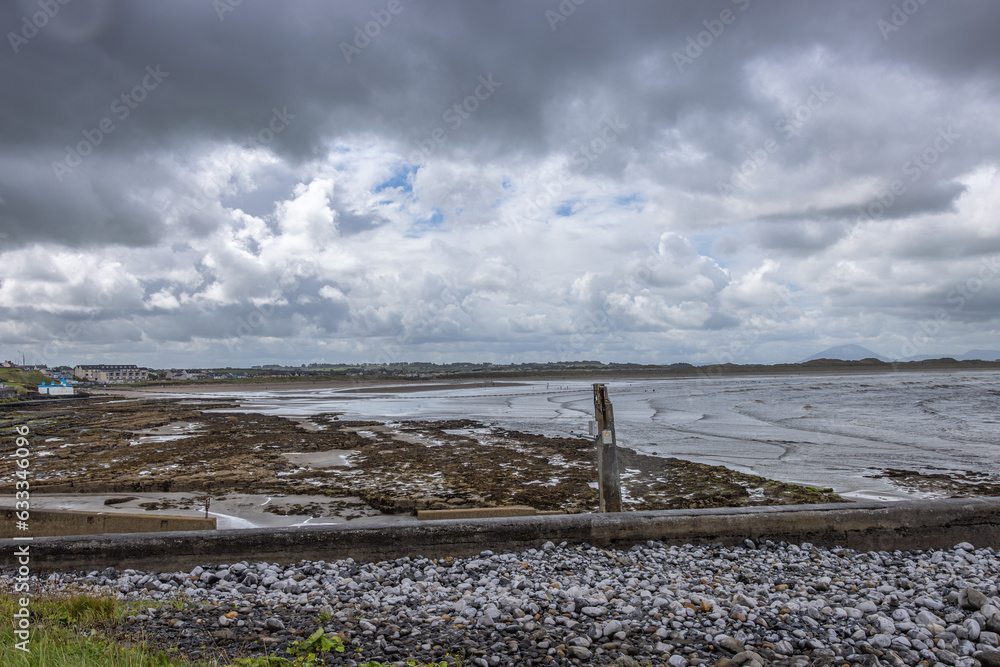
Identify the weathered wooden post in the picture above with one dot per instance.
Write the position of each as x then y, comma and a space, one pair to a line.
608, 483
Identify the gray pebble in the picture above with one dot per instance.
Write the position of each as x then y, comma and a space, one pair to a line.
767, 603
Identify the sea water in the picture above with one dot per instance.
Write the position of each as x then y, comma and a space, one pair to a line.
818, 430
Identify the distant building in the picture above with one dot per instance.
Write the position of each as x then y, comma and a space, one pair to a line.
61, 388
61, 373
111, 373
25, 367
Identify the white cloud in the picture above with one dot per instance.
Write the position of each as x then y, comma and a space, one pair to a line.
576, 213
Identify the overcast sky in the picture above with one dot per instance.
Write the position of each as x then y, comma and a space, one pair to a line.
197, 183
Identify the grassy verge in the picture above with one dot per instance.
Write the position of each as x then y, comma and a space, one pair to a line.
68, 632
21, 380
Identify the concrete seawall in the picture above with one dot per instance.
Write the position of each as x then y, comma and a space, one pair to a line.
70, 522
863, 526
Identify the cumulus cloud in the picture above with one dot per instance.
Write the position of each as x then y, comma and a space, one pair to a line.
640, 182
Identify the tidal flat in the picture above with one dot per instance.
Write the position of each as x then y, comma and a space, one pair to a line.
313, 455
170, 455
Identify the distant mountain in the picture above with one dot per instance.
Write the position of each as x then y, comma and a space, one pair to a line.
846, 353
971, 355
985, 355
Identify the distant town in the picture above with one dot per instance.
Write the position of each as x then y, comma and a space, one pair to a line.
23, 381
58, 378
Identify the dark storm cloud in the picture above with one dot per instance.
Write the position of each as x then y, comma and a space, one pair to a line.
800, 235
813, 230
222, 78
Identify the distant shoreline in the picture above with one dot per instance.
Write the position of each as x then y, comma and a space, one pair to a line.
461, 381
348, 386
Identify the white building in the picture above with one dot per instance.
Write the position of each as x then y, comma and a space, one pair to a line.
61, 388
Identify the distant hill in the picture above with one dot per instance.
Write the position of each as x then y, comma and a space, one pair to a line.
846, 353
20, 379
971, 355
985, 355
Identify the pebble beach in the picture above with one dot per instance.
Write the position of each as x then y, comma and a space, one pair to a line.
755, 604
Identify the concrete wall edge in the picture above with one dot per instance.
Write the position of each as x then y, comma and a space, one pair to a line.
919, 524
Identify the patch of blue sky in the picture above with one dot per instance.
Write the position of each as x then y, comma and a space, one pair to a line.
703, 243
567, 208
420, 226
633, 201
402, 179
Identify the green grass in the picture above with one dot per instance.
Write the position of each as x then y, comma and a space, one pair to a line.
22, 379
68, 632
72, 631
